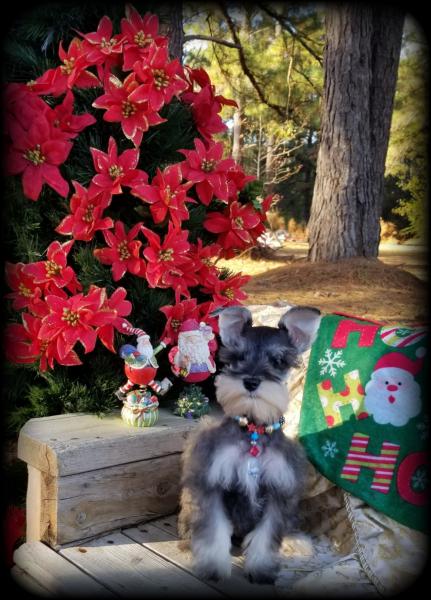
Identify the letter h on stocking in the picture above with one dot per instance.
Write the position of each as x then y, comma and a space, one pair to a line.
383, 464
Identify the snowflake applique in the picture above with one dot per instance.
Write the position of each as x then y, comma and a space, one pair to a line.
423, 428
329, 449
420, 480
331, 362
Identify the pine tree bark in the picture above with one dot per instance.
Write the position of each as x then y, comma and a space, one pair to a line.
362, 51
236, 132
171, 24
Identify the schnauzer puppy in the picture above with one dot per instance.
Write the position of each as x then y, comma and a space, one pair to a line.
242, 476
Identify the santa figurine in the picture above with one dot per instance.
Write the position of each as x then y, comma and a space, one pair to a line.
192, 359
392, 395
140, 364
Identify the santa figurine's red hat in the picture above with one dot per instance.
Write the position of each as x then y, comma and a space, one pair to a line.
398, 360
189, 325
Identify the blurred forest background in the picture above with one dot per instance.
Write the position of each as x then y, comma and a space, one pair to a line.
272, 66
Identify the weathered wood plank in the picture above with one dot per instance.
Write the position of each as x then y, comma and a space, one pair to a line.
28, 584
82, 442
131, 570
160, 537
56, 574
95, 502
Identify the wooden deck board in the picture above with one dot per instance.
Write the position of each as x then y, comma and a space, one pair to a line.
141, 561
128, 569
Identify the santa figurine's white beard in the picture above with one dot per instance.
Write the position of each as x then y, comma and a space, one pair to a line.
393, 407
193, 350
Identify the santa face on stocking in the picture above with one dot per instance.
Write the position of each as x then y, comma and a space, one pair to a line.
392, 395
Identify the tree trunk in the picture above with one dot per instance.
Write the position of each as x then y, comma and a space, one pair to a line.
361, 63
171, 24
269, 167
236, 133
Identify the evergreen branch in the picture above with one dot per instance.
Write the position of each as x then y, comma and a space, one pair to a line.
279, 109
292, 30
189, 38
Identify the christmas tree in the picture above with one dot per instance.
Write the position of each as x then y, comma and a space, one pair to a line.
119, 203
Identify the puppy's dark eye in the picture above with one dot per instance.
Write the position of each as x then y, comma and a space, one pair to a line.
278, 362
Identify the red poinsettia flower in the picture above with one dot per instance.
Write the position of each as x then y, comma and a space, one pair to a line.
118, 305
101, 47
161, 80
72, 73
135, 117
205, 104
238, 227
25, 294
54, 270
237, 180
73, 319
21, 105
63, 118
176, 314
168, 262
86, 207
203, 258
226, 292
115, 171
37, 154
24, 346
141, 34
166, 195
207, 170
123, 251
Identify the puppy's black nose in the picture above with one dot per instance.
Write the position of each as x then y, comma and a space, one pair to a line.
251, 383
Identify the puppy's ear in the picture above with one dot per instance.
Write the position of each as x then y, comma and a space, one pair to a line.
302, 324
232, 321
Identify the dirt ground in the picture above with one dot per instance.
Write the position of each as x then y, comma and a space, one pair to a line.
392, 288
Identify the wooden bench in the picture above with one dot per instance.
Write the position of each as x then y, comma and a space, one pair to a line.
89, 475
100, 503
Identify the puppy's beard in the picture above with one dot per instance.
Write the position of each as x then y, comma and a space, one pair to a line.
266, 404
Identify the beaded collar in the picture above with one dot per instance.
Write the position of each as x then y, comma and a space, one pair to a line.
257, 430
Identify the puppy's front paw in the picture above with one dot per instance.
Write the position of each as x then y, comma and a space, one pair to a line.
266, 573
213, 571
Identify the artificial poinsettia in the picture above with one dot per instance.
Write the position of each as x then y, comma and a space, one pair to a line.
140, 34
86, 208
63, 118
25, 294
102, 48
161, 79
168, 262
118, 304
21, 105
176, 314
203, 258
205, 105
37, 153
55, 270
225, 292
238, 226
24, 346
113, 170
205, 167
166, 195
135, 117
123, 251
72, 73
74, 319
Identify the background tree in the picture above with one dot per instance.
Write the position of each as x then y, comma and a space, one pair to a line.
361, 61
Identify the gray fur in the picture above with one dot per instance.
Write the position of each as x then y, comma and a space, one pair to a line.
221, 497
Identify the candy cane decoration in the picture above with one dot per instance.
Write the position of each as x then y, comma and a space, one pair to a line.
133, 330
